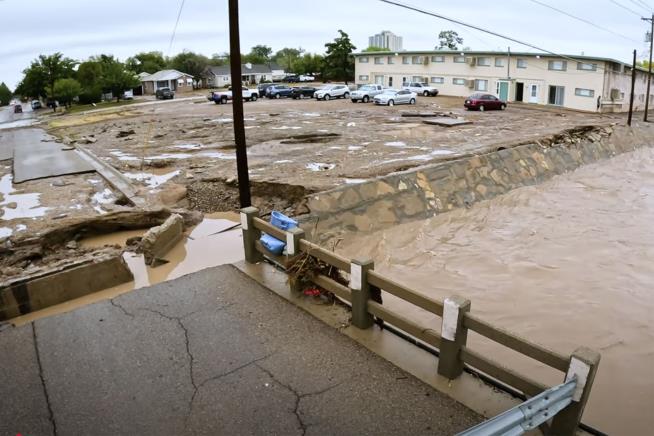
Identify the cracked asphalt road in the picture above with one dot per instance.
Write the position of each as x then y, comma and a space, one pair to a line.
210, 353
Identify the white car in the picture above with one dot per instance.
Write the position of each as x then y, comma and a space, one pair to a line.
391, 97
421, 89
222, 97
366, 93
304, 78
332, 91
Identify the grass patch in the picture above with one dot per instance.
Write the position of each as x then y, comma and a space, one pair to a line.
102, 105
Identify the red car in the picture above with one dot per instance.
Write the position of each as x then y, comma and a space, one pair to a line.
484, 101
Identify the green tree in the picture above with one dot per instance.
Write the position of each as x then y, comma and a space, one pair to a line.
449, 39
146, 62
219, 59
89, 73
310, 64
259, 54
288, 57
5, 94
339, 62
374, 48
65, 91
117, 79
190, 63
43, 72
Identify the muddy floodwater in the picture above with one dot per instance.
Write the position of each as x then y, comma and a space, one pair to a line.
567, 263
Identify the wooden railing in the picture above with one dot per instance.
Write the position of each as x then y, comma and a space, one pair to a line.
454, 354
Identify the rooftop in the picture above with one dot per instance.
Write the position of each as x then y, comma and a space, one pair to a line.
164, 75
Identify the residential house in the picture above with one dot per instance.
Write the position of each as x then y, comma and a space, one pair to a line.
220, 76
577, 82
173, 79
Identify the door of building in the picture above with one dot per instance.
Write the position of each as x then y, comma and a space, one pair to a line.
519, 91
533, 93
379, 80
503, 90
556, 95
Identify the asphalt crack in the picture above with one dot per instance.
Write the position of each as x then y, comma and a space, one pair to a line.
43, 384
121, 308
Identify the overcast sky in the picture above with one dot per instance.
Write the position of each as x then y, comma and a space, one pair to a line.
81, 28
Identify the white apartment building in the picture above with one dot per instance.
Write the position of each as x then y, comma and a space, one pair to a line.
577, 82
386, 39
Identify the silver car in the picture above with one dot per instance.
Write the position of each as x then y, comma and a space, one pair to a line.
366, 93
391, 97
328, 92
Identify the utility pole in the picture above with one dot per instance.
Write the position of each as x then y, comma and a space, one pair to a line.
237, 106
649, 74
633, 85
508, 64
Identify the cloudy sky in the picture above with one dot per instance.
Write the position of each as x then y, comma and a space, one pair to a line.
80, 28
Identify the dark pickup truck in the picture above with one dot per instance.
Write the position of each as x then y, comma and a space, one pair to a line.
164, 93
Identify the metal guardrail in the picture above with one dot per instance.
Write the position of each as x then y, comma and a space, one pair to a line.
528, 415
454, 354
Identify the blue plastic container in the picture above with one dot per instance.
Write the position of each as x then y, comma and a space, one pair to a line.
274, 245
281, 221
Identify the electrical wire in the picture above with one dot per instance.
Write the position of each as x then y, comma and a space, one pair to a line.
583, 20
639, 5
625, 8
481, 29
645, 5
172, 37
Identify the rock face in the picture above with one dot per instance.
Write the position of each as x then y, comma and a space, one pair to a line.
160, 239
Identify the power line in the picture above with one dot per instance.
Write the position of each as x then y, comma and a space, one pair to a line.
583, 20
481, 29
172, 37
625, 8
639, 5
645, 5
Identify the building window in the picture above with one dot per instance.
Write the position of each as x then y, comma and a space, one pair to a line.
416, 60
438, 58
581, 92
406, 60
225, 78
437, 80
459, 59
499, 62
363, 78
522, 63
557, 65
390, 60
363, 60
378, 60
419, 79
481, 85
483, 62
586, 66
457, 81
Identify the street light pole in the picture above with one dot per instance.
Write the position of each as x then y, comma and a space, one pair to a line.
237, 106
649, 74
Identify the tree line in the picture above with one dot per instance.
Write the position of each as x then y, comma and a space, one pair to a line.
64, 79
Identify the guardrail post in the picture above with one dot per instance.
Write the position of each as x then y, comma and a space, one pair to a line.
293, 237
360, 292
583, 365
454, 336
250, 234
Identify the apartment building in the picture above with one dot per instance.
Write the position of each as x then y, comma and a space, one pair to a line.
577, 82
386, 39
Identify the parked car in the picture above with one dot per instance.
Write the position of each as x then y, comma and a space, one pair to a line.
366, 93
293, 78
278, 91
263, 87
391, 97
18, 109
222, 97
484, 101
421, 89
164, 93
306, 78
300, 92
328, 92
36, 104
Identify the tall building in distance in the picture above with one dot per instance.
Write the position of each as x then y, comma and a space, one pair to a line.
386, 39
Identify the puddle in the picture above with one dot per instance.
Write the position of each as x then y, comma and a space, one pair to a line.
354, 147
217, 155
283, 161
123, 156
311, 114
203, 247
152, 180
354, 181
222, 120
99, 198
188, 146
26, 205
211, 154
5, 232
351, 124
395, 144
317, 166
286, 128
441, 152
19, 123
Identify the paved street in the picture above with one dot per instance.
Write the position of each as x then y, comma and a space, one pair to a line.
208, 353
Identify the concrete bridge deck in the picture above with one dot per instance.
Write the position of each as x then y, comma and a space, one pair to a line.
209, 353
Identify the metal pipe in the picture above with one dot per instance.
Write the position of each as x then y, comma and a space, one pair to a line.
237, 106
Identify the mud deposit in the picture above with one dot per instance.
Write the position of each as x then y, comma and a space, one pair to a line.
566, 263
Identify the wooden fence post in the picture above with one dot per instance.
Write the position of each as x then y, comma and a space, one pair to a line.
454, 335
583, 365
361, 292
293, 237
250, 234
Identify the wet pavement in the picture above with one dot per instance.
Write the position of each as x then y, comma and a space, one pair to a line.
208, 353
566, 263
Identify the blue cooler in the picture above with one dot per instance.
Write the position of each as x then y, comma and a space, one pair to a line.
282, 222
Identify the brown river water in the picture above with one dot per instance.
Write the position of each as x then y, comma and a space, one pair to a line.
566, 263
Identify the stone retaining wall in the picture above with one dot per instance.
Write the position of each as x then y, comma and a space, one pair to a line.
423, 192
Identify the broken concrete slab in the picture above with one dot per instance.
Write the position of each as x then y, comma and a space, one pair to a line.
94, 272
447, 121
35, 159
160, 239
421, 114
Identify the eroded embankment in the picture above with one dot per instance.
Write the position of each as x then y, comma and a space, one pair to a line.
426, 191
